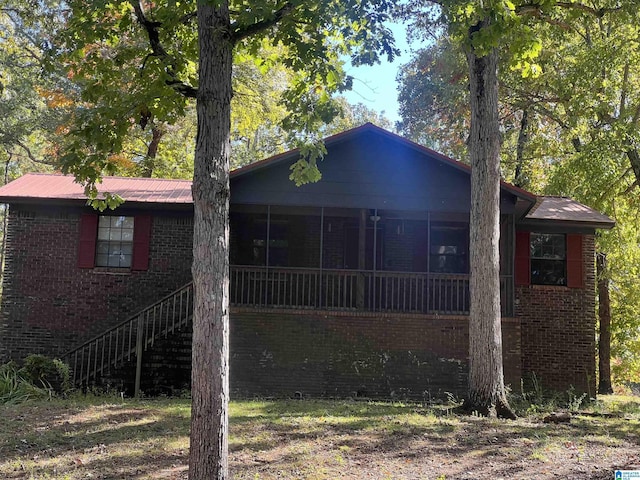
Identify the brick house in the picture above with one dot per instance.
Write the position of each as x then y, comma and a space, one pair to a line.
355, 285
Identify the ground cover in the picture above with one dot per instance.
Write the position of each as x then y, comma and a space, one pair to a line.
110, 438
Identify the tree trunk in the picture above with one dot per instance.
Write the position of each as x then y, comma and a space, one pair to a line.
149, 162
604, 314
520, 179
210, 352
486, 379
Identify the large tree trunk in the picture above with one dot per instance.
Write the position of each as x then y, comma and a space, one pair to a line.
486, 379
210, 351
604, 314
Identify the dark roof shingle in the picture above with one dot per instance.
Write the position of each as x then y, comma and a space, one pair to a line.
563, 209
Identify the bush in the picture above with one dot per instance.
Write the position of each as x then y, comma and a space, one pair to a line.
45, 372
15, 388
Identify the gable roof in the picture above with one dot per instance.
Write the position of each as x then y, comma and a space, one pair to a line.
294, 154
36, 187
43, 186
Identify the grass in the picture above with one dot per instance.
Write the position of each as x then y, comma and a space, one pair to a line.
110, 438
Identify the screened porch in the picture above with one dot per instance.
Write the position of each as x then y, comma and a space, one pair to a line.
357, 260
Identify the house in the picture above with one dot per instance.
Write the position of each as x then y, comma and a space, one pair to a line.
355, 285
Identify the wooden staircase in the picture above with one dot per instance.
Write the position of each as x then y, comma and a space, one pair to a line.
129, 339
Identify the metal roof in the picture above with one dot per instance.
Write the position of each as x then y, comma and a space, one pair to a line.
63, 187
563, 209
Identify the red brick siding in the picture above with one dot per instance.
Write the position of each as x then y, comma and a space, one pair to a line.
49, 305
558, 330
281, 353
328, 353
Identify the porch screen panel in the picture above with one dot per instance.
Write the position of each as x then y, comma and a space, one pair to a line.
351, 248
248, 236
448, 252
420, 247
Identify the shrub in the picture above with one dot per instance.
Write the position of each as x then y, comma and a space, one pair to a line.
15, 388
48, 373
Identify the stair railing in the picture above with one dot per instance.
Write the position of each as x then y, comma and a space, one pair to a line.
132, 337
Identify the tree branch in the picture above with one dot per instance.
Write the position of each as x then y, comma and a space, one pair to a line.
634, 159
598, 12
29, 154
550, 115
636, 115
577, 144
188, 17
630, 188
240, 32
152, 29
535, 11
623, 93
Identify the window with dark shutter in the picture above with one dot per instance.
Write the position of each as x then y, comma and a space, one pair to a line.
548, 259
114, 241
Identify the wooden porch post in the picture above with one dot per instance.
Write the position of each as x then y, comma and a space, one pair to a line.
376, 219
362, 251
266, 257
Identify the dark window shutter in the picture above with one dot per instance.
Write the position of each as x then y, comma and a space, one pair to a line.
87, 242
522, 260
141, 241
575, 277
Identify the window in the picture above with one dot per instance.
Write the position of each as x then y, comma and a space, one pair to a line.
548, 259
114, 247
114, 241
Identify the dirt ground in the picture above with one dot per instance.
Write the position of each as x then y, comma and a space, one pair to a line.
102, 439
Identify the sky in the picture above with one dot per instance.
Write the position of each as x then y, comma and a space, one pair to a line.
375, 86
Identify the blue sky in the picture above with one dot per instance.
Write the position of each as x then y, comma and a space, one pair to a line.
375, 86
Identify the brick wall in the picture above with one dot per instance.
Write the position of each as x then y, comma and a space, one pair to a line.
287, 354
49, 305
558, 330
340, 354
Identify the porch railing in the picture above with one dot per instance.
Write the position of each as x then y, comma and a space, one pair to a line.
356, 290
130, 338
